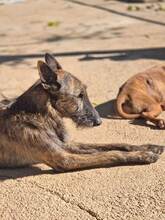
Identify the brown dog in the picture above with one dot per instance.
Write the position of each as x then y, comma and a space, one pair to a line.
32, 129
143, 95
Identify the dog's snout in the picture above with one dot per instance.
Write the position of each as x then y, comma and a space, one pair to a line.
97, 122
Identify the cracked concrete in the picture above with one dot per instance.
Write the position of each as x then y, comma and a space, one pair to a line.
77, 33
67, 200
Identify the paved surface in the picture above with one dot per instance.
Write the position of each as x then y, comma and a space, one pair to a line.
130, 41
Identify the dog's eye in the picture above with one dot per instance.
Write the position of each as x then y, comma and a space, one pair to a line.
81, 95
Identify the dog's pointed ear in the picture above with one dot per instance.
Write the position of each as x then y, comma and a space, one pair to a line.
52, 62
47, 76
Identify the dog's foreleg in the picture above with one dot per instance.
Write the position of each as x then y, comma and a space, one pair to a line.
94, 148
68, 159
71, 161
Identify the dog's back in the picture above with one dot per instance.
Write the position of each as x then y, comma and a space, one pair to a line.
141, 91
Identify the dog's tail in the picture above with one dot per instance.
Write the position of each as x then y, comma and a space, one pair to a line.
121, 99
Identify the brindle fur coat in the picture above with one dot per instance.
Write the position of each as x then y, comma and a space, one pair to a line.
32, 129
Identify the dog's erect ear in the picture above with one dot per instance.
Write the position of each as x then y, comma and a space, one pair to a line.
52, 62
47, 76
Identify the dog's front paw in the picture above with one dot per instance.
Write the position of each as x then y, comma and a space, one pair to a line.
161, 123
149, 157
154, 148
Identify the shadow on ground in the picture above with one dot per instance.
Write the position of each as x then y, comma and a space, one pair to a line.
143, 123
117, 55
17, 173
22, 172
107, 110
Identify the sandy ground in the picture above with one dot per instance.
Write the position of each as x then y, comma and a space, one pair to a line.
130, 41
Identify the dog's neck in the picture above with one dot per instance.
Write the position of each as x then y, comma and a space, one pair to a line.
34, 100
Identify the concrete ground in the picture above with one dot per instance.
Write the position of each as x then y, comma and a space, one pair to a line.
103, 43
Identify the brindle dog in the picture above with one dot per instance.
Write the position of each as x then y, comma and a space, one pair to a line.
32, 129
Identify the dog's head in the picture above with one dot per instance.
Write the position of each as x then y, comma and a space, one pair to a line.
67, 94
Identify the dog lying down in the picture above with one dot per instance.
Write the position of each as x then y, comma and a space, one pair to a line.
32, 129
143, 95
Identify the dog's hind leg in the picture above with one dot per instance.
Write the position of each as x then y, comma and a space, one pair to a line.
151, 115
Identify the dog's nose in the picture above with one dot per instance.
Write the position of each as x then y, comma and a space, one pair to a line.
97, 122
